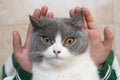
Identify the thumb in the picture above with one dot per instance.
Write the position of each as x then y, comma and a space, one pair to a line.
108, 38
17, 45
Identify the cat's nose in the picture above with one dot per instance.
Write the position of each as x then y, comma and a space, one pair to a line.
56, 52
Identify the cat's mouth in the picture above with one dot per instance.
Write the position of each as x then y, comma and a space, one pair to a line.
57, 61
54, 58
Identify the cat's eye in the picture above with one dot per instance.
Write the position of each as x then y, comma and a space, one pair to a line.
47, 40
69, 41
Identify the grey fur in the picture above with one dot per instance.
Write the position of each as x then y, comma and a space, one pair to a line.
67, 27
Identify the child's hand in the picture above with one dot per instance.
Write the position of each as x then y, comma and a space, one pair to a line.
99, 48
21, 52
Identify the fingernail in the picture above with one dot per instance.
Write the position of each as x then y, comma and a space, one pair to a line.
36, 12
109, 31
84, 6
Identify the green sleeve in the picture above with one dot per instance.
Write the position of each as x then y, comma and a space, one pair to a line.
3, 72
106, 72
20, 73
23, 75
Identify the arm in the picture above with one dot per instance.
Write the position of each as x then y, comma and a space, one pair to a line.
11, 69
100, 49
107, 72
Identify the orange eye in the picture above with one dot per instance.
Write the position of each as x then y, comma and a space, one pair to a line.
69, 41
47, 40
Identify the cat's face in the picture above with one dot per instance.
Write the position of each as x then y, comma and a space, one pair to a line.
57, 40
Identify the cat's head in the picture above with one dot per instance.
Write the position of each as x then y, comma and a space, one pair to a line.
57, 40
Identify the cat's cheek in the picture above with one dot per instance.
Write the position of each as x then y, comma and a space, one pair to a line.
65, 53
48, 55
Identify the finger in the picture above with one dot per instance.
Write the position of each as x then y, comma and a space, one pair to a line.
89, 19
72, 12
77, 9
85, 26
50, 15
36, 13
108, 38
44, 11
17, 44
30, 28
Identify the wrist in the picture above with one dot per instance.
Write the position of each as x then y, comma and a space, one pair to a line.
27, 70
100, 66
106, 72
22, 74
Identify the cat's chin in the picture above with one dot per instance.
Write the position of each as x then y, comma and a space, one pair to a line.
56, 61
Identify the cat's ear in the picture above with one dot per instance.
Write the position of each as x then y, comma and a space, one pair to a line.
77, 19
35, 22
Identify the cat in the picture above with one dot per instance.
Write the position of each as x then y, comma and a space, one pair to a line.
59, 49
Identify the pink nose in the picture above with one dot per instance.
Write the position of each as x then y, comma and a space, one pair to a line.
56, 52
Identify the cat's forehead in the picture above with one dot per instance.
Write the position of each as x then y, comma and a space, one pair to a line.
56, 22
55, 25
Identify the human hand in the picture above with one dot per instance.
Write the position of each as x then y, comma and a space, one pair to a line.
99, 49
21, 52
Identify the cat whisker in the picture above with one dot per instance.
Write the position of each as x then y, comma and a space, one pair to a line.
36, 54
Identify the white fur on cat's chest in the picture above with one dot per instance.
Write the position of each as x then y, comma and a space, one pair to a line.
82, 69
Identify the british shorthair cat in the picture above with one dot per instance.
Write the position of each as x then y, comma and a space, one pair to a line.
59, 49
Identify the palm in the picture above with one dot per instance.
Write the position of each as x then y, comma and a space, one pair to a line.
98, 50
21, 52
24, 60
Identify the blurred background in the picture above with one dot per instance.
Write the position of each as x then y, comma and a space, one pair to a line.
14, 16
